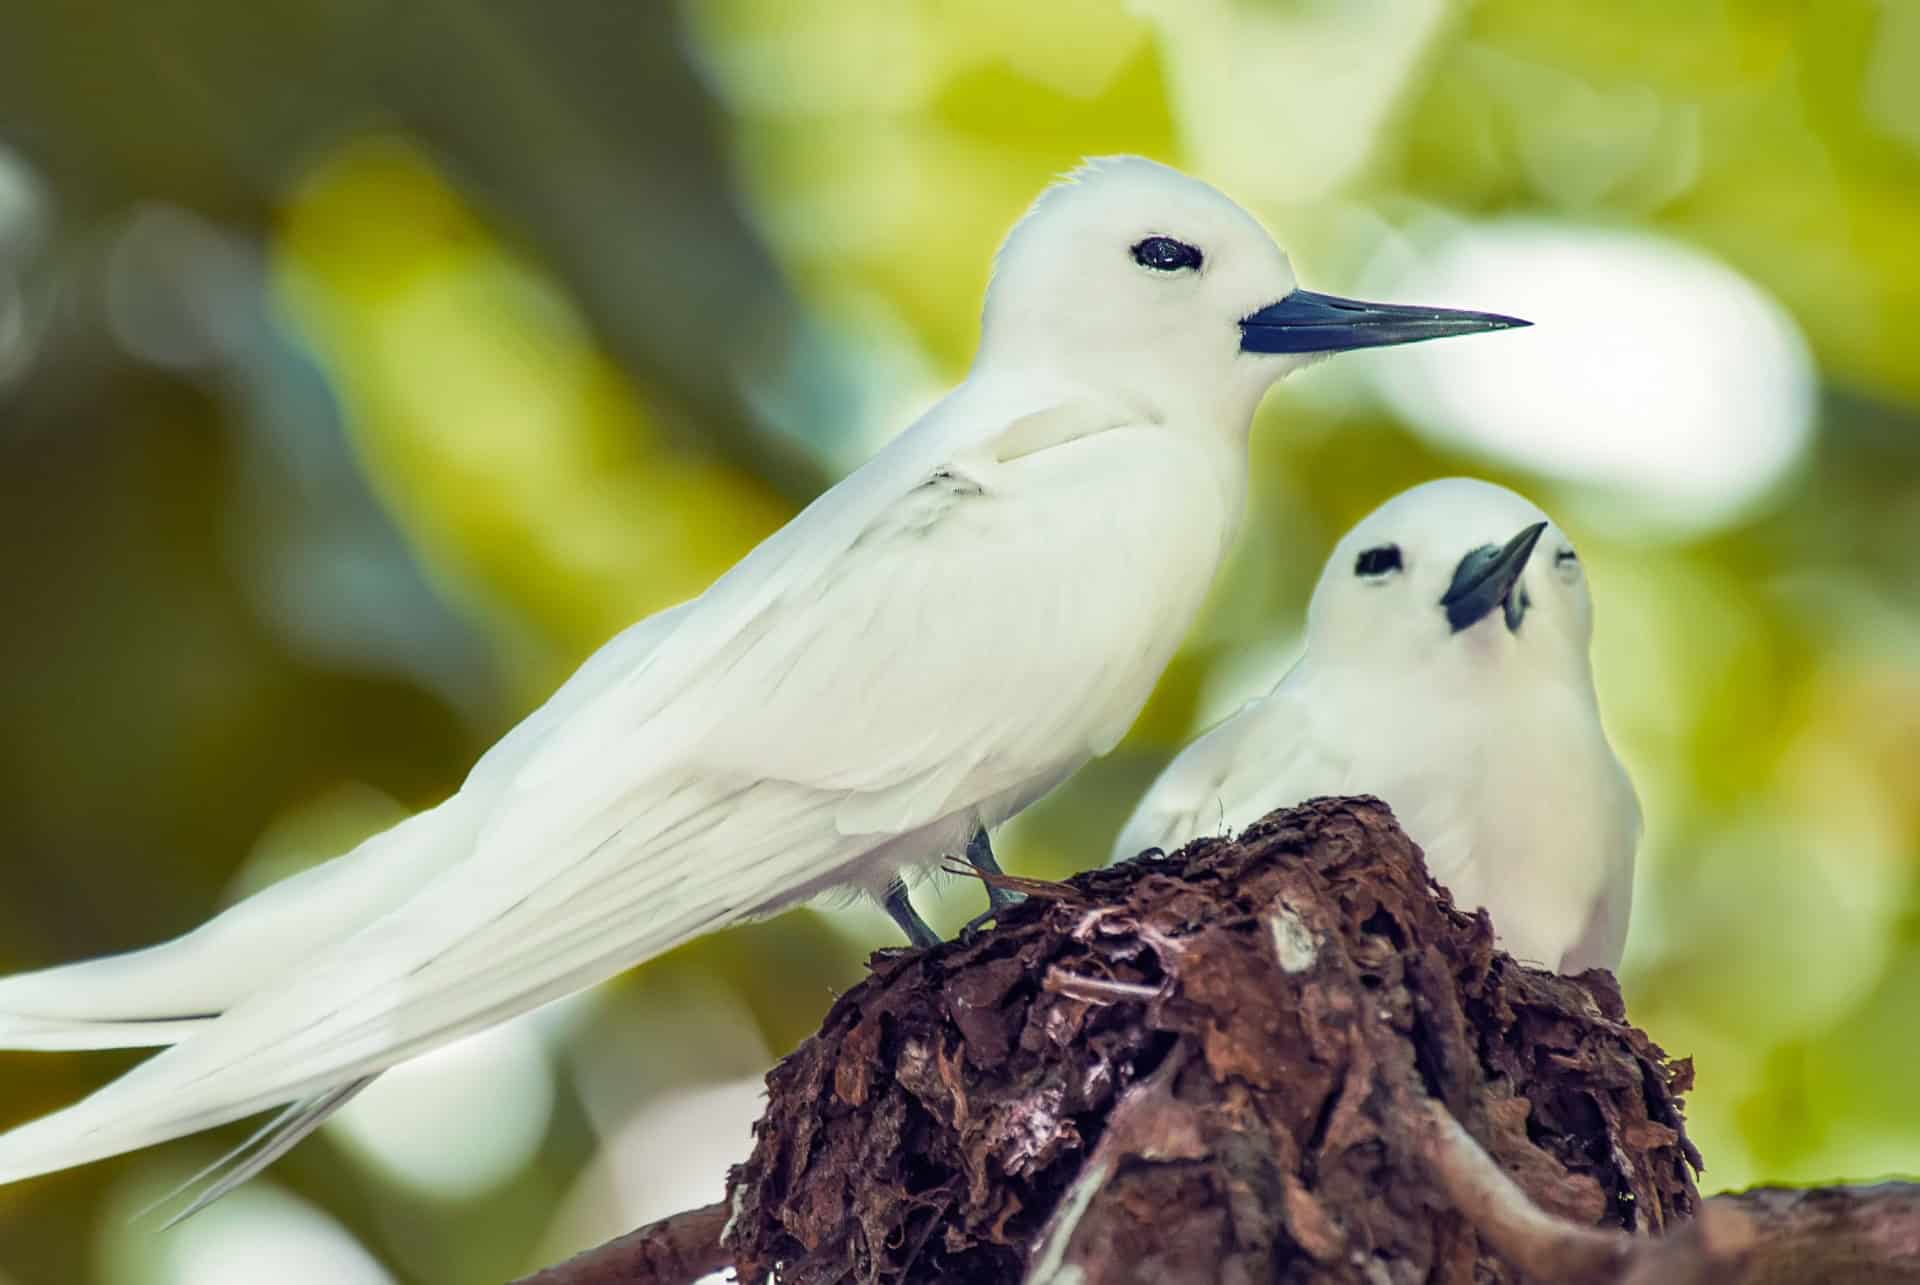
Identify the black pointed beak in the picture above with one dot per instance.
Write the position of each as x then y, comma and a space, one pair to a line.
1486, 579
1309, 322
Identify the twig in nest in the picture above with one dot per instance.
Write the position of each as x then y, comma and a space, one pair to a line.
1044, 889
1098, 990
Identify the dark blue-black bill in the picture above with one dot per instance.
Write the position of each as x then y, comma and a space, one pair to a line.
1309, 322
1485, 580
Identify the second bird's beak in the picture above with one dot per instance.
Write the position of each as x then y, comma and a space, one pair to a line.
1486, 579
1309, 322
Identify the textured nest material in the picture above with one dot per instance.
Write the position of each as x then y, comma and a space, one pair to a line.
1218, 1065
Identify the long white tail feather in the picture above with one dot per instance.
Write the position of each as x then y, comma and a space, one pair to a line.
263, 1146
52, 1035
346, 1018
263, 943
164, 993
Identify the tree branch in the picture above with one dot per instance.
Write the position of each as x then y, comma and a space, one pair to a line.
1768, 1236
674, 1251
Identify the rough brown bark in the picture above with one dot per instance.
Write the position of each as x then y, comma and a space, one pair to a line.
1286, 1058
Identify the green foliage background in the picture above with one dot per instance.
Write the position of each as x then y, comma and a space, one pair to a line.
361, 371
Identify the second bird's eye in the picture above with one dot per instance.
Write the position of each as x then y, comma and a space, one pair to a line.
1375, 563
1164, 254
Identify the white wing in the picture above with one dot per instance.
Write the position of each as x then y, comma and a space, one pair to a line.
990, 624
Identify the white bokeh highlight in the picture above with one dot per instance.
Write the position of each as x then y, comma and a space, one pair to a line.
459, 1121
1663, 380
261, 1232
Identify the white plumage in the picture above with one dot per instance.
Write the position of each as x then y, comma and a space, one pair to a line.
930, 646
1477, 722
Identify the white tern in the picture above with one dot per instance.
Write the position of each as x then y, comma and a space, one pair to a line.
930, 646
1447, 672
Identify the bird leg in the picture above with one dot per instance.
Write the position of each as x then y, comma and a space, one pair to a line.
901, 908
980, 857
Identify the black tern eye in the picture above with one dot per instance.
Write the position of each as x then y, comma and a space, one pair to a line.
1378, 563
1164, 254
1567, 563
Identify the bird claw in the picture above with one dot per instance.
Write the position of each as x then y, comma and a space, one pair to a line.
998, 900
976, 925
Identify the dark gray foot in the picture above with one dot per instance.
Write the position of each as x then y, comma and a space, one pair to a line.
916, 929
1145, 854
980, 857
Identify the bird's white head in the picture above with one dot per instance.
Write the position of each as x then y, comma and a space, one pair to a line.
1454, 577
1131, 276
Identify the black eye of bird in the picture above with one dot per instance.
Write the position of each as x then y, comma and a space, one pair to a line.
1565, 558
1164, 254
1378, 562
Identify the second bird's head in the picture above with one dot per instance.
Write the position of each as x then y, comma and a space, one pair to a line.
1453, 577
1136, 277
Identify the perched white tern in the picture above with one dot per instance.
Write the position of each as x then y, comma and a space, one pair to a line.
1446, 671
930, 646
